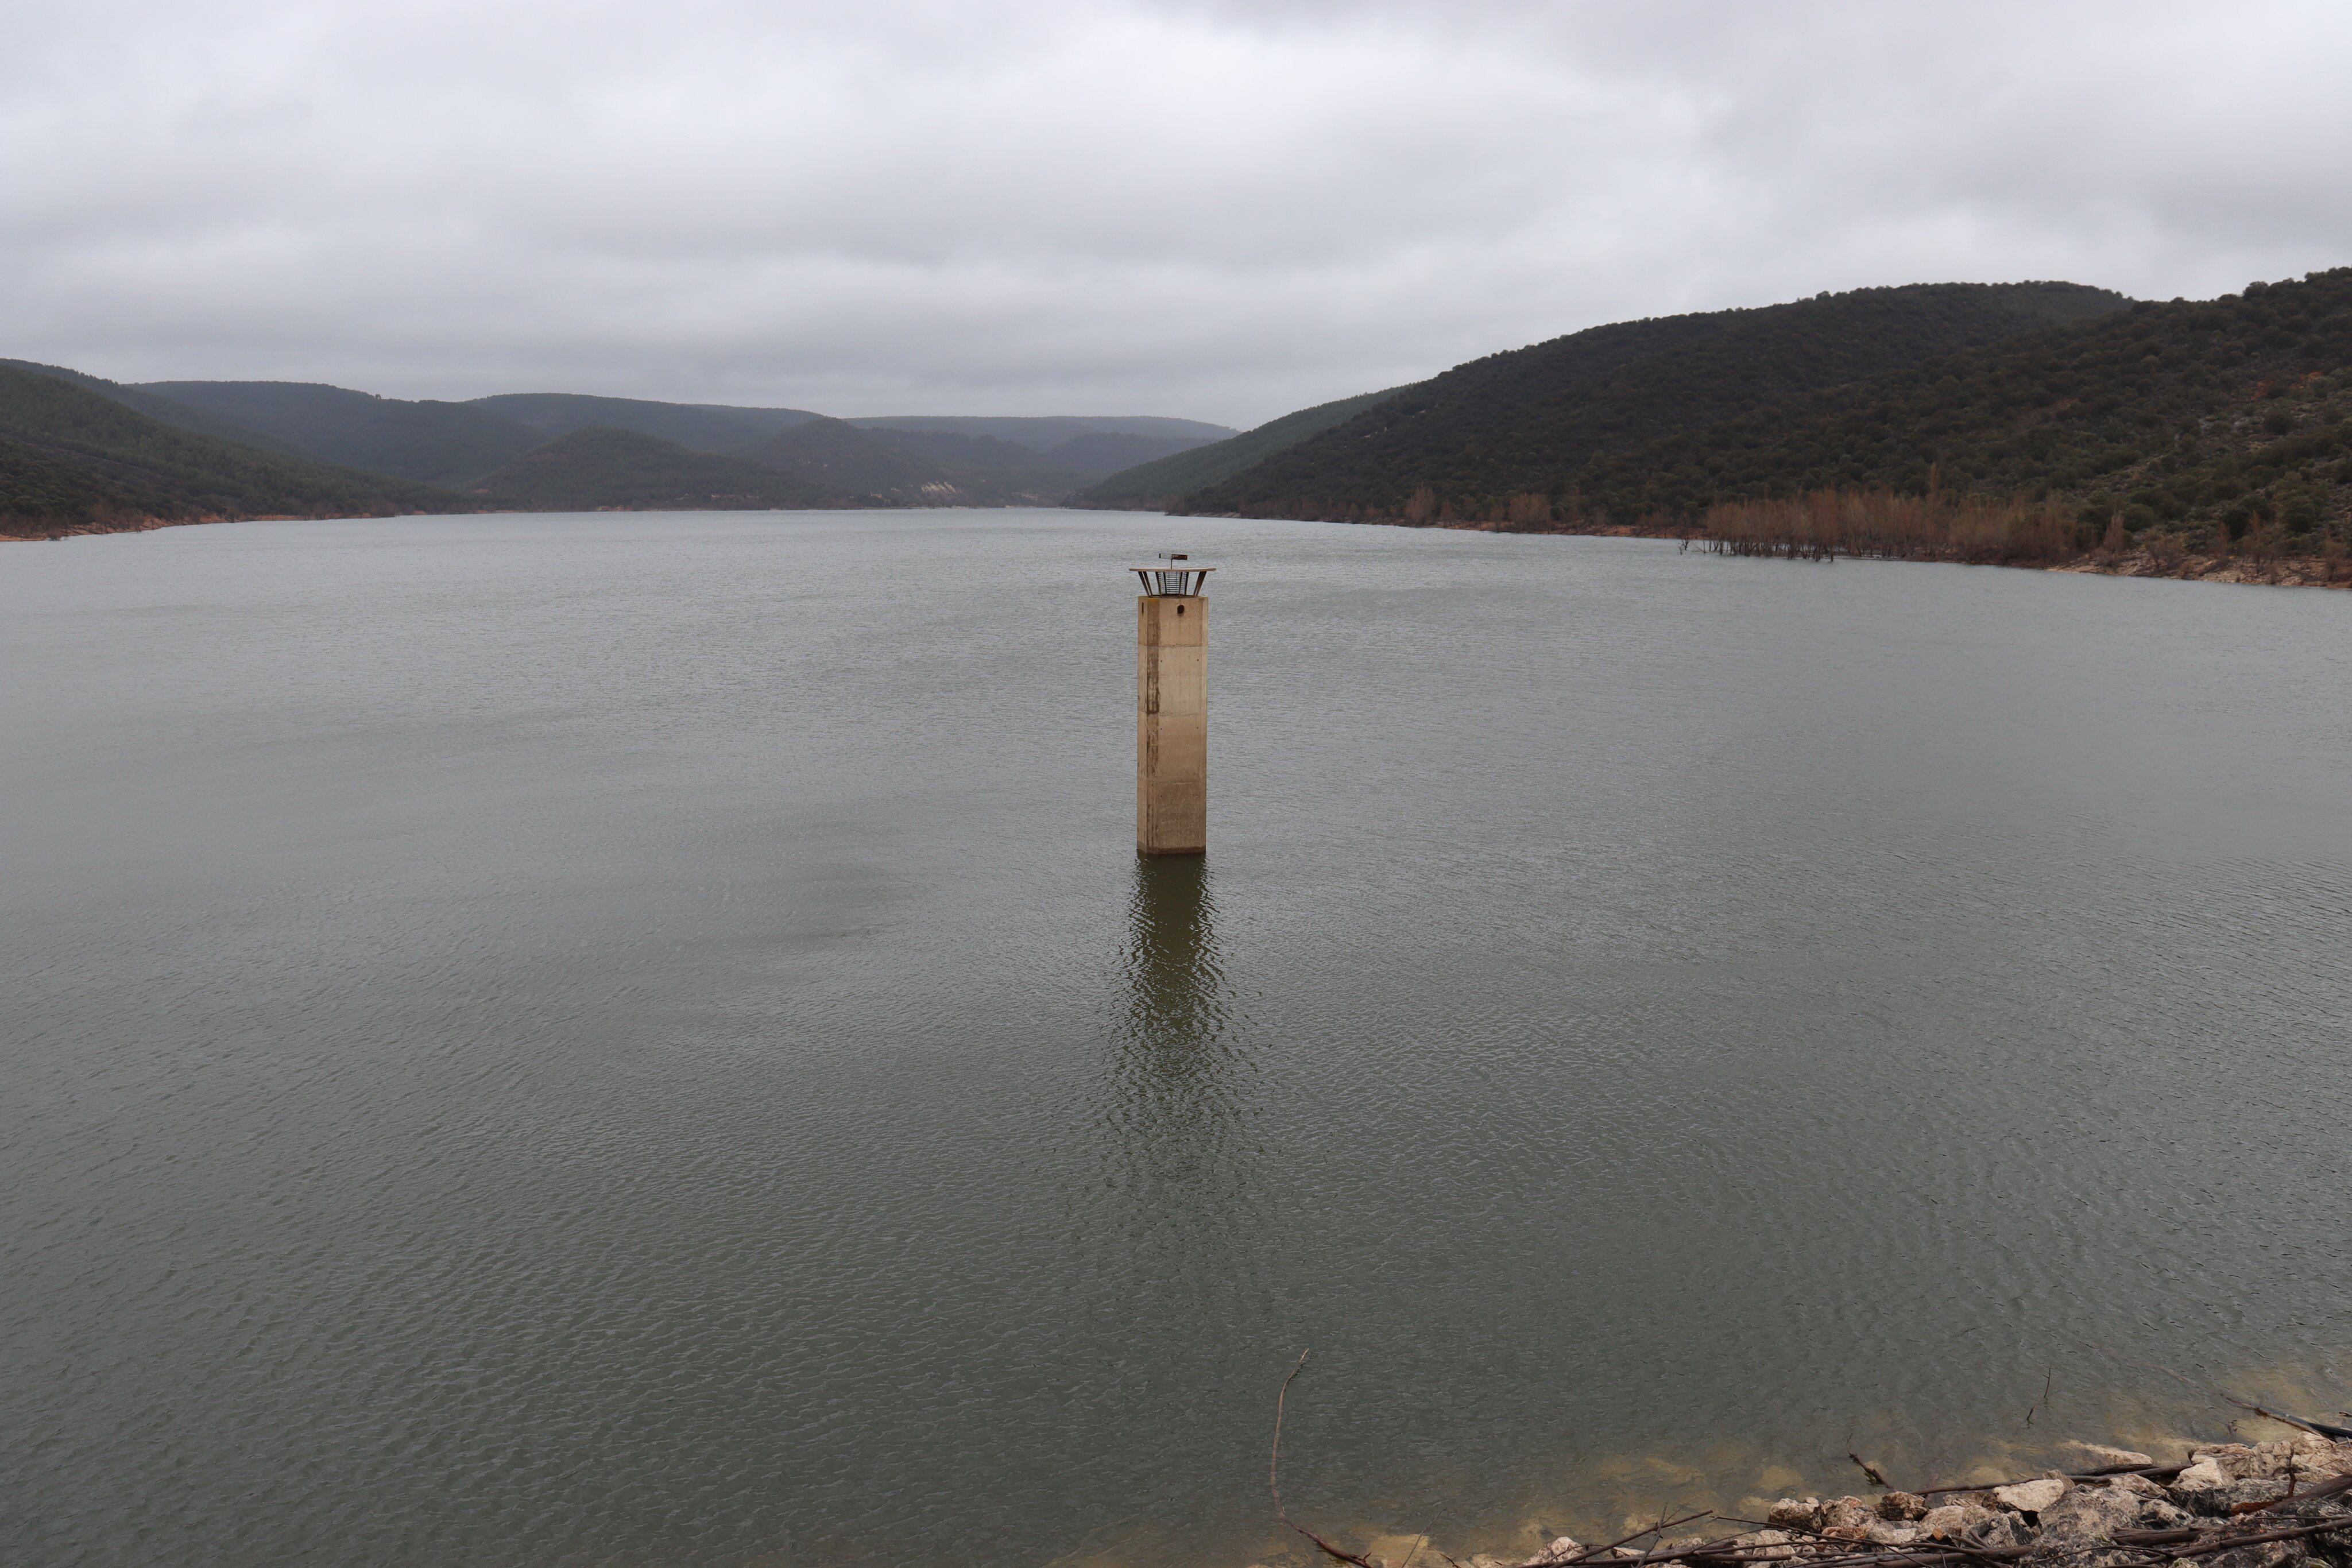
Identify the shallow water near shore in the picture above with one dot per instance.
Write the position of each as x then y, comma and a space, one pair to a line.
643, 1039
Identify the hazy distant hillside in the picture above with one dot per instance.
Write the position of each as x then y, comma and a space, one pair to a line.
435, 443
1151, 486
1528, 421
598, 469
840, 459
1104, 453
2199, 415
703, 427
918, 460
1043, 432
914, 467
74, 459
977, 453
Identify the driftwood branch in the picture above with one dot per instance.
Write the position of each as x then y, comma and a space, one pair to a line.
1274, 1474
1274, 1458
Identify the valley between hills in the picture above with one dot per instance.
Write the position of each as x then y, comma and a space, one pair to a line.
2050, 425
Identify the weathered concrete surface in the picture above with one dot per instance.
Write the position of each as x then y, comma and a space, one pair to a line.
1172, 724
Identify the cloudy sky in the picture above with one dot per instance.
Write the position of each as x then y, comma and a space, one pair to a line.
1219, 210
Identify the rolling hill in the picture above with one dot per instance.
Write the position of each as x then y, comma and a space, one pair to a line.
74, 460
901, 467
433, 442
178, 415
1044, 433
699, 426
600, 469
916, 460
1528, 421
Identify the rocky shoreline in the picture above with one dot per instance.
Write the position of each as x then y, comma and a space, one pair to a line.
2229, 1505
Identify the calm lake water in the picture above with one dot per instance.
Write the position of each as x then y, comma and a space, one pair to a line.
643, 1039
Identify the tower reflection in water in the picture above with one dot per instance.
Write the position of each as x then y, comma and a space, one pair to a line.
1177, 1076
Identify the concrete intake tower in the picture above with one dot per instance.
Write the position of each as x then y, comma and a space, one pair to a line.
1171, 709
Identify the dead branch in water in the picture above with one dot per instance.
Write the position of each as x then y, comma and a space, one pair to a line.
1274, 1475
1274, 1459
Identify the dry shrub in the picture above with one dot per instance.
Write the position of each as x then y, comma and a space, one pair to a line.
1529, 512
1881, 524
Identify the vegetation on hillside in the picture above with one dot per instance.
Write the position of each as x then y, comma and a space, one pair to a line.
2205, 421
889, 466
72, 460
433, 442
1528, 422
1150, 486
599, 469
178, 415
699, 426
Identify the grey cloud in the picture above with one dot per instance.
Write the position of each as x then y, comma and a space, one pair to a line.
1202, 209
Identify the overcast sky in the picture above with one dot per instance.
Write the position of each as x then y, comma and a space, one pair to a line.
1222, 211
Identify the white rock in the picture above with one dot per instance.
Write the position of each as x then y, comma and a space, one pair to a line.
1560, 1550
2204, 1473
2030, 1497
1887, 1533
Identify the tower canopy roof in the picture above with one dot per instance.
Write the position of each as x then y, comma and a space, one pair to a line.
1173, 576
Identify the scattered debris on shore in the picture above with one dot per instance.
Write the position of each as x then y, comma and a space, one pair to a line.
2281, 1504
2229, 1505
2232, 1505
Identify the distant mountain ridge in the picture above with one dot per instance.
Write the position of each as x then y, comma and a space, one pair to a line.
1043, 432
698, 426
955, 460
891, 466
433, 442
177, 451
599, 468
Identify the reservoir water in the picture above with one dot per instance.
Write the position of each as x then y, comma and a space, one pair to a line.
642, 1039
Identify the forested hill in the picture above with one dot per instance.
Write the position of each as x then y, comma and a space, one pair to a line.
433, 442
73, 460
1529, 420
698, 426
2204, 417
154, 406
